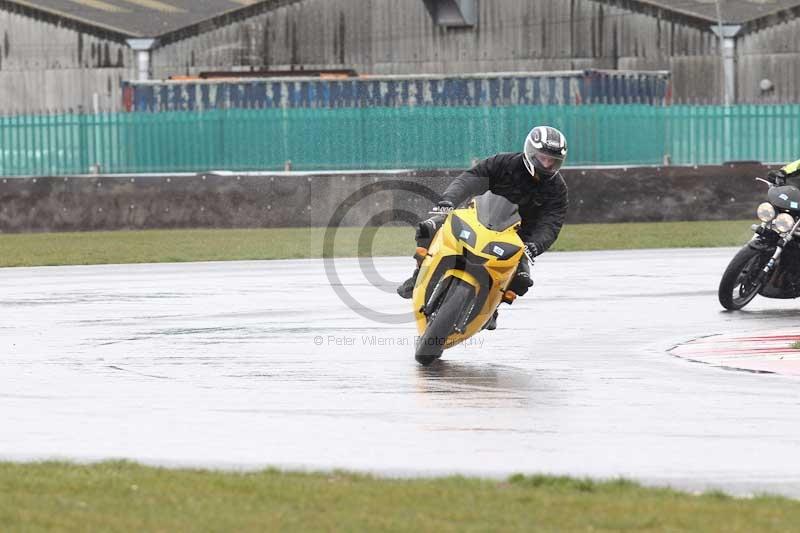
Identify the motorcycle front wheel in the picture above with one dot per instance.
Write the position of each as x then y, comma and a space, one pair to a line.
742, 280
431, 344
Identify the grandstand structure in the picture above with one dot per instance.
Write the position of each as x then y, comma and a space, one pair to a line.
75, 54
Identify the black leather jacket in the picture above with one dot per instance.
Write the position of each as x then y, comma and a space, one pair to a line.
542, 203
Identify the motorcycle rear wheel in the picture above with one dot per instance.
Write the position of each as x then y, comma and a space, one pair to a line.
431, 344
741, 281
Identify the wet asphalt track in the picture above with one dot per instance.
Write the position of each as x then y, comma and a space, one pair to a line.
247, 364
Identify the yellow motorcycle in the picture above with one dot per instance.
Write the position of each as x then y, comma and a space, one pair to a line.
465, 273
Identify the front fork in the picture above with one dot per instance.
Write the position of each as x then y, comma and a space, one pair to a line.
785, 239
770, 266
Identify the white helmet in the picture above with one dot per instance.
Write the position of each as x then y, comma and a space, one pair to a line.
545, 151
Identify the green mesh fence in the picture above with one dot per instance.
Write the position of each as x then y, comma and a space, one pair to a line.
379, 138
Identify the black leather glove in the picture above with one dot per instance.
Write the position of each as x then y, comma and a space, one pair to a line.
521, 283
443, 207
778, 177
532, 250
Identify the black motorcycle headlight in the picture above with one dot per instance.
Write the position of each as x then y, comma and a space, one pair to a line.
462, 231
501, 250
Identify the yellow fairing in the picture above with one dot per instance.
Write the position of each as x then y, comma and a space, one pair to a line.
447, 258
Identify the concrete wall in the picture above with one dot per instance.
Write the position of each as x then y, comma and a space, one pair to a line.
213, 201
47, 64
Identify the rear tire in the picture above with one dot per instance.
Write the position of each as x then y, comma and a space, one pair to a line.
739, 283
431, 344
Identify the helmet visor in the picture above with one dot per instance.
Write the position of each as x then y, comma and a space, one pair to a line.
546, 162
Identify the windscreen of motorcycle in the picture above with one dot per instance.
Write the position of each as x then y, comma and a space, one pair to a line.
786, 197
496, 212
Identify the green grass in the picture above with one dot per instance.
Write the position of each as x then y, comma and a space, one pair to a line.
156, 246
796, 345
121, 496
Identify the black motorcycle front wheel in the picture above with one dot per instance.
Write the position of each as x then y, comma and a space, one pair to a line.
442, 322
742, 279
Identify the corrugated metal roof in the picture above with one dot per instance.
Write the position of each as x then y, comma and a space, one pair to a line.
155, 18
138, 18
733, 11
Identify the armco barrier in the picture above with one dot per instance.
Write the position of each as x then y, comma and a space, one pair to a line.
623, 194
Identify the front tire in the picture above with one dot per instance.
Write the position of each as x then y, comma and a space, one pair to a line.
742, 280
431, 344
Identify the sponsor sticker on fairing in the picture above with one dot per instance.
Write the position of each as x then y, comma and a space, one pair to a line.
498, 251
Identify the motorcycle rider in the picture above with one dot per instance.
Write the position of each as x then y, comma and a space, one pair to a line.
778, 177
531, 179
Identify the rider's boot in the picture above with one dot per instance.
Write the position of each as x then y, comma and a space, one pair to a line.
406, 289
492, 323
508, 297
